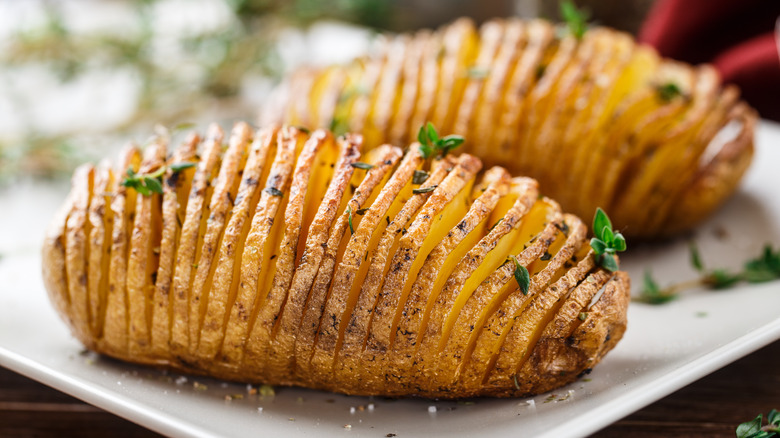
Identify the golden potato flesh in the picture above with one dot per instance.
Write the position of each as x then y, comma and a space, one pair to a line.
599, 122
294, 258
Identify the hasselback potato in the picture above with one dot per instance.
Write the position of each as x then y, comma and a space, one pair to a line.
292, 258
598, 121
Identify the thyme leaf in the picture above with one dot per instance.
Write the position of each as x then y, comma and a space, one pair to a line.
521, 275
273, 191
430, 141
419, 177
765, 267
754, 428
606, 242
425, 189
361, 165
668, 91
148, 183
576, 19
349, 219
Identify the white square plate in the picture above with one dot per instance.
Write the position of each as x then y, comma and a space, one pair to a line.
665, 348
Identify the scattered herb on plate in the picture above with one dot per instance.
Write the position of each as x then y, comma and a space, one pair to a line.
765, 267
754, 428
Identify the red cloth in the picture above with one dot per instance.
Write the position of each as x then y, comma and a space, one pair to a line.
737, 36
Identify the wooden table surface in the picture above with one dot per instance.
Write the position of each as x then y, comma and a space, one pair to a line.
712, 406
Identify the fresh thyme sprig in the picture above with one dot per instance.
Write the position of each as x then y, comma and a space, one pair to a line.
606, 242
521, 275
754, 428
576, 19
668, 91
148, 183
349, 219
430, 141
765, 267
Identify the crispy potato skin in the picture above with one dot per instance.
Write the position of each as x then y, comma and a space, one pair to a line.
586, 118
386, 274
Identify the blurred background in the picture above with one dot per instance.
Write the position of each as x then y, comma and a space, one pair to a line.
78, 78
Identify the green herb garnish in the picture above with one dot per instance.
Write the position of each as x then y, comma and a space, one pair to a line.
754, 428
765, 267
425, 189
148, 183
339, 126
274, 191
430, 141
668, 91
349, 219
361, 165
606, 242
477, 72
521, 275
695, 257
419, 177
582, 316
576, 19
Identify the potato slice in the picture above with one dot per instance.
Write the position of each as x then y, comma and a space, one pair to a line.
227, 272
489, 104
441, 262
199, 198
491, 35
717, 178
77, 231
429, 82
55, 277
317, 242
330, 283
539, 101
530, 67
526, 326
365, 91
142, 260
410, 88
345, 346
220, 212
100, 220
258, 264
499, 295
441, 212
176, 188
459, 43
312, 161
543, 364
546, 139
455, 351
115, 327
386, 93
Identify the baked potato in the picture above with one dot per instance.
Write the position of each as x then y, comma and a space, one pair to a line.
292, 258
599, 121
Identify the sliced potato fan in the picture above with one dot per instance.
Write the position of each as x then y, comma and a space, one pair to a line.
296, 258
599, 121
